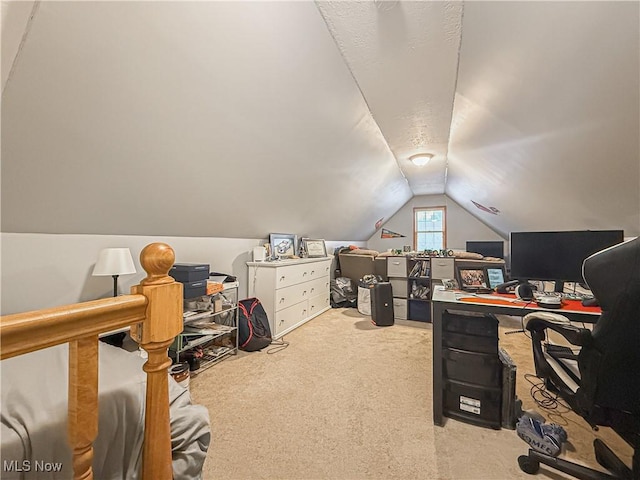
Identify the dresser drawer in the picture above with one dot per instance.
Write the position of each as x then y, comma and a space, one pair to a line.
318, 270
287, 296
294, 274
318, 303
290, 316
396, 266
317, 287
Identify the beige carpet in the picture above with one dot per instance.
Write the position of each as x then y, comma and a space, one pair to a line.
348, 400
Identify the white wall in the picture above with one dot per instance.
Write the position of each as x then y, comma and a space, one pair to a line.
461, 225
45, 270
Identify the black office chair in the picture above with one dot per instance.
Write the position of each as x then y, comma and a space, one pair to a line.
601, 383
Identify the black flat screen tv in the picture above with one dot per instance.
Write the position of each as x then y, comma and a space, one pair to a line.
556, 256
492, 248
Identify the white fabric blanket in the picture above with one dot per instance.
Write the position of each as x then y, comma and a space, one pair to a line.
34, 418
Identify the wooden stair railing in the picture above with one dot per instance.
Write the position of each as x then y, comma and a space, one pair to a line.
154, 312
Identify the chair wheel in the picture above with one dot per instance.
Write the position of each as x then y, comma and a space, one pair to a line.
528, 464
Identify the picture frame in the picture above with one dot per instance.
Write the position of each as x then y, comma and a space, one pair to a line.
315, 248
472, 278
450, 283
283, 245
495, 276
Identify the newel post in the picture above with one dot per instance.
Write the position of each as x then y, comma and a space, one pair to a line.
163, 322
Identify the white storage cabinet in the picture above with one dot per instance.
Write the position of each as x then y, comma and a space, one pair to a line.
292, 292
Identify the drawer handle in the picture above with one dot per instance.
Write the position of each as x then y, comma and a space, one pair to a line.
312, 272
282, 278
282, 300
304, 273
395, 263
304, 312
312, 289
304, 293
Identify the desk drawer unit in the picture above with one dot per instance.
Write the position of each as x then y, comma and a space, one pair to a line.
470, 323
470, 343
472, 367
472, 403
470, 331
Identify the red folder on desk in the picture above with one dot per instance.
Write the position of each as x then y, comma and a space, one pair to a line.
505, 299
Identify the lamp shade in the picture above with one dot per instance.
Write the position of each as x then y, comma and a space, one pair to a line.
114, 261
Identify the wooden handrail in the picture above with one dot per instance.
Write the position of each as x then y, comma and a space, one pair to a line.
154, 312
30, 331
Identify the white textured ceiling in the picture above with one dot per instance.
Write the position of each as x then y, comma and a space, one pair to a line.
236, 119
404, 57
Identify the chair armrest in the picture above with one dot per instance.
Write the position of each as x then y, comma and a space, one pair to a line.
537, 322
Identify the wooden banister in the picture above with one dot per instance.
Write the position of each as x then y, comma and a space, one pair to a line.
154, 312
30, 331
164, 322
82, 424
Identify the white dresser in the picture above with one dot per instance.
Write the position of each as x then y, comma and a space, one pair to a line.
292, 292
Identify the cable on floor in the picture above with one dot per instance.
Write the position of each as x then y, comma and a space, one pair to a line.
278, 345
549, 401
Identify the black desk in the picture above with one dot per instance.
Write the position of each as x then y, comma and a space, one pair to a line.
443, 300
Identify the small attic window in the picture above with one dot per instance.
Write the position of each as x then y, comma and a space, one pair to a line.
429, 228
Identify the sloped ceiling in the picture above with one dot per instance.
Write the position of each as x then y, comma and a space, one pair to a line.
236, 119
546, 118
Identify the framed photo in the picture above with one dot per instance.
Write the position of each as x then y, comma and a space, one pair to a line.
495, 276
314, 248
471, 278
283, 245
450, 283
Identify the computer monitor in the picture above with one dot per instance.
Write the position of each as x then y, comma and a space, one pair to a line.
556, 256
494, 248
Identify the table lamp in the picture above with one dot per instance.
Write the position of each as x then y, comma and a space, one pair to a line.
114, 262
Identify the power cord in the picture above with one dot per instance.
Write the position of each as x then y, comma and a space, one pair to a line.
278, 345
549, 401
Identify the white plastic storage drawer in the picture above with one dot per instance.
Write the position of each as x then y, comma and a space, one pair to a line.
399, 287
400, 308
442, 268
396, 266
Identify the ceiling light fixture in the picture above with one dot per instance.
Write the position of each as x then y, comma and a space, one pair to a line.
421, 159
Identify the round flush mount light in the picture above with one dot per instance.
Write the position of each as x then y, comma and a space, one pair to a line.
421, 159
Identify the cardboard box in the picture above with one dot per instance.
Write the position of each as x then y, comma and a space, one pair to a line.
217, 305
214, 287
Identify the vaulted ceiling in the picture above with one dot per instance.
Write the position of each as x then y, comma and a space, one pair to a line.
236, 119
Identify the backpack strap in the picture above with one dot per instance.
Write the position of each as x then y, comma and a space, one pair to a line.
249, 324
244, 309
253, 306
